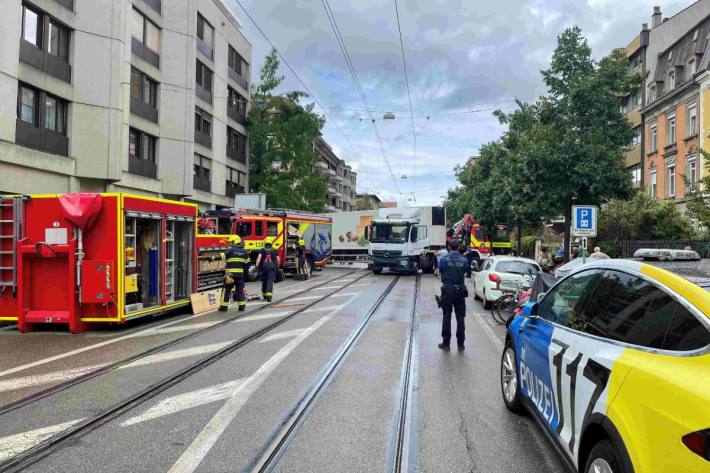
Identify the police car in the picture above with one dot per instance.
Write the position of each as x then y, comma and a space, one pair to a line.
614, 362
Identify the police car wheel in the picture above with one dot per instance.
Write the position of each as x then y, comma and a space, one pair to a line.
604, 459
510, 388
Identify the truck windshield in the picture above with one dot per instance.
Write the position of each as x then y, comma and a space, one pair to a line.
386, 233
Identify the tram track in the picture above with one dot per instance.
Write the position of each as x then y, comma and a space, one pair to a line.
56, 442
162, 347
269, 456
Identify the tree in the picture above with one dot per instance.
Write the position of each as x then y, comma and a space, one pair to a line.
698, 200
281, 130
589, 133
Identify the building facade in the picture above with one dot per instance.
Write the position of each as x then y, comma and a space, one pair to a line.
631, 105
341, 180
100, 95
673, 114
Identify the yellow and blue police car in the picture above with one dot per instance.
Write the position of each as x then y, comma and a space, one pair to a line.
614, 362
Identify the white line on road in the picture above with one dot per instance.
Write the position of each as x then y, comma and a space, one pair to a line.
18, 443
304, 298
345, 294
179, 328
282, 335
200, 447
186, 401
177, 354
488, 330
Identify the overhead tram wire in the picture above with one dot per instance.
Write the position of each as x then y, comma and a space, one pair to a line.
411, 110
306, 88
351, 68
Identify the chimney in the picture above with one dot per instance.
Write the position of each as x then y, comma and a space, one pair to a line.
656, 17
644, 27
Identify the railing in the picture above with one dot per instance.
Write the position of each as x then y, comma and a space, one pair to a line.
238, 78
203, 139
145, 53
629, 247
233, 113
142, 167
41, 139
144, 110
202, 93
205, 49
42, 60
237, 154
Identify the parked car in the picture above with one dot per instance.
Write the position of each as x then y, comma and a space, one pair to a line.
661, 254
614, 363
502, 272
572, 265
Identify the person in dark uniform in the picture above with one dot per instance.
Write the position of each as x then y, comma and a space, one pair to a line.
237, 261
268, 263
452, 268
301, 254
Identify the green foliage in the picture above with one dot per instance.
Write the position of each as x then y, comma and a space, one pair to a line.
697, 201
641, 218
365, 203
565, 149
281, 132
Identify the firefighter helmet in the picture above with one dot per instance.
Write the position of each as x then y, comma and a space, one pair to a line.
234, 240
301, 242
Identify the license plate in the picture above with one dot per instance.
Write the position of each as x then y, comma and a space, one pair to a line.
385, 268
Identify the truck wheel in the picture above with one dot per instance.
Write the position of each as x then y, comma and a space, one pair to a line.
415, 268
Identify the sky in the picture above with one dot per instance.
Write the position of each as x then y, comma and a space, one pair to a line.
464, 58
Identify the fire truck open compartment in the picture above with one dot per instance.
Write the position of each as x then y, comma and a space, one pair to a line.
78, 259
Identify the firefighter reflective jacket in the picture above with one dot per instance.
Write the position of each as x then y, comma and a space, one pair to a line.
237, 260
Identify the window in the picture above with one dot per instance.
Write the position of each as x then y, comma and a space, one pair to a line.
205, 37
203, 127
29, 110
272, 229
653, 184
685, 332
236, 145
150, 91
235, 61
58, 44
670, 80
238, 68
201, 173
670, 180
145, 31
670, 129
690, 69
236, 105
144, 95
636, 140
203, 79
31, 26
244, 229
636, 174
692, 172
259, 228
55, 112
651, 93
653, 141
566, 303
236, 182
141, 153
636, 99
692, 119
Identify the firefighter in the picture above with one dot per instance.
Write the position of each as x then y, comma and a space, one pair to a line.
453, 295
237, 262
268, 263
301, 253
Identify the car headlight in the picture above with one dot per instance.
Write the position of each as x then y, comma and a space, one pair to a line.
403, 263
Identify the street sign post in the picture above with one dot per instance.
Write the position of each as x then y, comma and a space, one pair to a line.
584, 220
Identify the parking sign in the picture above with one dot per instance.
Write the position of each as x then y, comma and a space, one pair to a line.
584, 220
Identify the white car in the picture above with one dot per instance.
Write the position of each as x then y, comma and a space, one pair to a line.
502, 272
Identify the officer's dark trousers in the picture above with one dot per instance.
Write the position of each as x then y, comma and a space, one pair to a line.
451, 302
268, 275
238, 286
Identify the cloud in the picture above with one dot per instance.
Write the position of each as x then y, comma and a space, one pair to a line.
461, 55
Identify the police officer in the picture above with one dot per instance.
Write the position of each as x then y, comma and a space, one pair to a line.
237, 261
452, 268
268, 263
301, 254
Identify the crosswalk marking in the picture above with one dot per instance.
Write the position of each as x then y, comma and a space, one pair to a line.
15, 444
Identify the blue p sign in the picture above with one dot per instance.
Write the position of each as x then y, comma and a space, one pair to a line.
584, 221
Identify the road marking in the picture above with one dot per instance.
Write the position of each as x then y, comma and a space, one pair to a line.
18, 443
345, 294
305, 298
179, 328
186, 401
282, 335
325, 309
252, 318
38, 380
196, 452
177, 354
488, 330
328, 287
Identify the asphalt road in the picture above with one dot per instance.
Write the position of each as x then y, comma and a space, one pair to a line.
222, 417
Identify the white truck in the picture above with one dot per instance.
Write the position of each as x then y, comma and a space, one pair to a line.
349, 242
406, 239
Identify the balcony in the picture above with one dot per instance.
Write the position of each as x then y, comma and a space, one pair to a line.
42, 60
144, 110
238, 78
201, 183
41, 139
237, 154
142, 167
204, 94
233, 113
205, 49
145, 53
203, 139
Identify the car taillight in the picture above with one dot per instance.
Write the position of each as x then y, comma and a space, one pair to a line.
698, 442
494, 278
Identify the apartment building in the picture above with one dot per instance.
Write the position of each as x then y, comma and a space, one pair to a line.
672, 115
632, 103
341, 179
100, 95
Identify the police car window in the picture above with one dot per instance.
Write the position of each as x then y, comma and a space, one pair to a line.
566, 303
272, 228
628, 309
685, 332
244, 229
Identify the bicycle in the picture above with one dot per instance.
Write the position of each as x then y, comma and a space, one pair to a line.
503, 308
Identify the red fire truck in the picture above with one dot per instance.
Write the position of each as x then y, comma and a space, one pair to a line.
281, 228
476, 237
